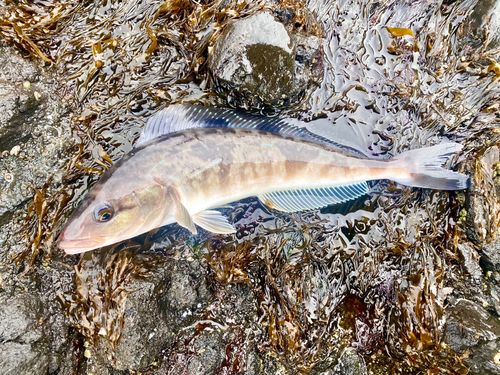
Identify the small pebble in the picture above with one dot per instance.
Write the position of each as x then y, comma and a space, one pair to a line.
86, 353
38, 96
496, 358
15, 150
27, 85
5, 153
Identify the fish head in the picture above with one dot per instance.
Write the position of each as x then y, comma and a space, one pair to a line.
106, 217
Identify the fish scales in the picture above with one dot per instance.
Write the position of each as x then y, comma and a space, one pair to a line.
214, 167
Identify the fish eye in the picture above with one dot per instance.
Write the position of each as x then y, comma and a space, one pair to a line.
103, 212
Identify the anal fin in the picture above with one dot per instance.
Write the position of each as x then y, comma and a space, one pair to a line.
214, 222
308, 199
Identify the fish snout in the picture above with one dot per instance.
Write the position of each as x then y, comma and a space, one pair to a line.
79, 245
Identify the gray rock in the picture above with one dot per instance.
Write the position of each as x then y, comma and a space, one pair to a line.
486, 13
185, 293
490, 259
485, 361
157, 309
197, 353
468, 324
17, 103
209, 347
21, 359
351, 363
471, 328
471, 259
222, 340
35, 131
23, 347
19, 318
34, 139
255, 57
484, 202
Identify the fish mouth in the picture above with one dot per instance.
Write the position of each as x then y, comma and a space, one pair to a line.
81, 245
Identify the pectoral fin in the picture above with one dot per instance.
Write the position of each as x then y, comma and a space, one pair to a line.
182, 216
214, 222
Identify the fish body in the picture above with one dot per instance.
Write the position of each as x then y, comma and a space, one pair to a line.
182, 176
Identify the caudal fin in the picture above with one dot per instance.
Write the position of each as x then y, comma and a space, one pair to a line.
426, 171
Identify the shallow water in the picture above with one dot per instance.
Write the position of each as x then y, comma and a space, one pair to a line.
373, 274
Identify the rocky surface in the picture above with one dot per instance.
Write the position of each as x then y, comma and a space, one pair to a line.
105, 313
351, 363
155, 312
35, 131
472, 325
473, 331
485, 23
258, 59
35, 137
24, 348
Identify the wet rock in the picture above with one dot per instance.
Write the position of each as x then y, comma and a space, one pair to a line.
482, 215
285, 16
157, 309
220, 341
17, 103
348, 363
351, 363
255, 58
24, 349
485, 19
63, 339
209, 347
471, 258
470, 328
35, 131
490, 258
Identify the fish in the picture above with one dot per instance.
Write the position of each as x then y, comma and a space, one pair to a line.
190, 160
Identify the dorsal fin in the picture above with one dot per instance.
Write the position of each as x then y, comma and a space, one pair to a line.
308, 199
187, 116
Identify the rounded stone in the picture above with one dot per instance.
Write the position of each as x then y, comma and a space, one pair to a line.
255, 56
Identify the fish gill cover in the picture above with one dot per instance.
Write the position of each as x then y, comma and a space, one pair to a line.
373, 275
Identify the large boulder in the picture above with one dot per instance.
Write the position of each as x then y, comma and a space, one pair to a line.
257, 59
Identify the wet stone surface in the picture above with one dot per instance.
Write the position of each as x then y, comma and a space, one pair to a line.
257, 58
351, 363
24, 347
472, 329
485, 22
180, 294
35, 131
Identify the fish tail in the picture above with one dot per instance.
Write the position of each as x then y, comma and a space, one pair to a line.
424, 167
